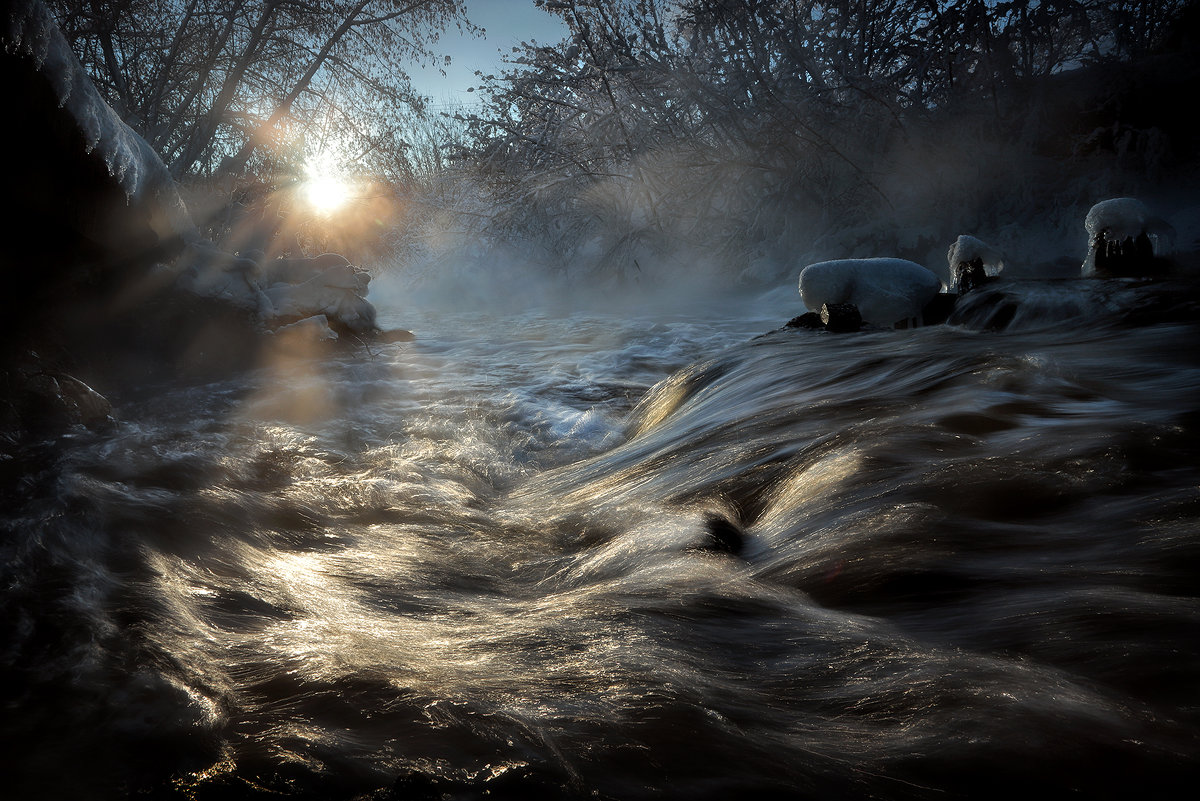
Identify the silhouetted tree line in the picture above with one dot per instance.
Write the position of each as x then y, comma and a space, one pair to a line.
723, 123
220, 86
735, 121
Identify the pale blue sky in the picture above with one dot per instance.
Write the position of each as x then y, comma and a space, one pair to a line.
508, 23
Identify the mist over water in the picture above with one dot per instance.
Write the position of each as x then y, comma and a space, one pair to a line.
489, 562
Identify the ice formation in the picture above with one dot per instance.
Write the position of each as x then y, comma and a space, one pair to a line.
886, 291
32, 34
1122, 238
971, 260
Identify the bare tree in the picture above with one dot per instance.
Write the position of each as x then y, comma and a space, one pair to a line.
741, 121
213, 83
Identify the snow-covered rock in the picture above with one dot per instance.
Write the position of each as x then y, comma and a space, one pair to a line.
282, 291
209, 272
348, 277
64, 112
332, 269
886, 291
1123, 238
299, 270
323, 294
1117, 218
327, 284
315, 329
973, 258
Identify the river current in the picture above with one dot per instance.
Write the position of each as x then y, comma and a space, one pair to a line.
627, 556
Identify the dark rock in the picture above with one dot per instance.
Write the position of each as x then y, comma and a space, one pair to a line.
395, 335
938, 310
90, 408
1131, 257
806, 320
51, 403
41, 407
841, 318
968, 275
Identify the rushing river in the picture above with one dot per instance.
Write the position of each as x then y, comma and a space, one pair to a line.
627, 556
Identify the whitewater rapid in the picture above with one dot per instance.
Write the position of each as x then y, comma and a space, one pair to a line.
474, 565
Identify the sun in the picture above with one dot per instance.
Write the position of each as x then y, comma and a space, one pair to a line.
324, 189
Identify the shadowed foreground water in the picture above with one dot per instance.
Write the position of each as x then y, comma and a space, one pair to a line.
493, 562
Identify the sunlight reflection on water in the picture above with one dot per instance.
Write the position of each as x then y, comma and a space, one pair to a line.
472, 556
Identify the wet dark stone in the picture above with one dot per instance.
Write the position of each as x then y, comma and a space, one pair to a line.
48, 402
841, 318
395, 335
938, 310
1122, 257
90, 407
806, 320
1131, 257
968, 275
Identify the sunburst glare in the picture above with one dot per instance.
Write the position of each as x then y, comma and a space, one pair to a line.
324, 188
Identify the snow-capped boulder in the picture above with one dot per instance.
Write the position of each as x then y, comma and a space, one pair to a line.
971, 262
205, 270
1122, 238
315, 329
85, 177
339, 276
323, 294
886, 291
348, 277
282, 291
299, 270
